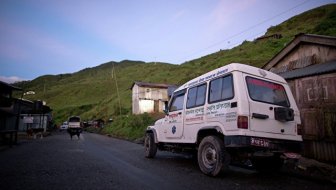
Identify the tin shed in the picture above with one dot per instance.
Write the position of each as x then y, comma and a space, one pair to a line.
308, 63
149, 97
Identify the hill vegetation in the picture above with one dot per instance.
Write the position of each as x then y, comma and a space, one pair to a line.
320, 21
92, 92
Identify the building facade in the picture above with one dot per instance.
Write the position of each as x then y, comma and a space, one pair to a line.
308, 63
149, 97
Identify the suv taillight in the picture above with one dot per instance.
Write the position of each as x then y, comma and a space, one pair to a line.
242, 122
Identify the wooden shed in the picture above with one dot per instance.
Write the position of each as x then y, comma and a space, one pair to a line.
9, 114
308, 63
150, 97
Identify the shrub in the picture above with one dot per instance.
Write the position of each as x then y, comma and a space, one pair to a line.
129, 127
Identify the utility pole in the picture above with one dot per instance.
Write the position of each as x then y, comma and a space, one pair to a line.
44, 89
116, 83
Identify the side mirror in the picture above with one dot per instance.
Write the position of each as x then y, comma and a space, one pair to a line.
166, 111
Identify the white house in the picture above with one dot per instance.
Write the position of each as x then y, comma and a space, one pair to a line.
149, 97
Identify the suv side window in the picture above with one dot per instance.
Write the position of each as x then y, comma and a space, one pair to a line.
177, 101
196, 96
221, 89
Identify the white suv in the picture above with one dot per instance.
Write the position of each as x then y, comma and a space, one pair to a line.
233, 113
64, 126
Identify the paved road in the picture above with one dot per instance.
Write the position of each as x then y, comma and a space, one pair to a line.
100, 162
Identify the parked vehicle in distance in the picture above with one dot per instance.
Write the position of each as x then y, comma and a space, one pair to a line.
236, 113
74, 122
64, 126
75, 127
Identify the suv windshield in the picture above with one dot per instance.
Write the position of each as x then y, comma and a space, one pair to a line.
268, 92
177, 101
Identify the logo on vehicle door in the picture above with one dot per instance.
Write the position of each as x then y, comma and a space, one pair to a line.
174, 129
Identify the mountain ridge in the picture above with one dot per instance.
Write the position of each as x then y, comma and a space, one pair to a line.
92, 92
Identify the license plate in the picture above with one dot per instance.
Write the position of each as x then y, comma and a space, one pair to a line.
259, 142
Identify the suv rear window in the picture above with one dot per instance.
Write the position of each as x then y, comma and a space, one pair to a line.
266, 91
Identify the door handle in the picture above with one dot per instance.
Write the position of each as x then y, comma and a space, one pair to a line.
260, 116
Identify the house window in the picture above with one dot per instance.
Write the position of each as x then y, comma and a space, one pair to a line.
221, 89
196, 96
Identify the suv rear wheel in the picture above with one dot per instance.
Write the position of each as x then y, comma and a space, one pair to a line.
212, 157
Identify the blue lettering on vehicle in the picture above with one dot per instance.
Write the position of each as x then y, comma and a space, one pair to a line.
221, 72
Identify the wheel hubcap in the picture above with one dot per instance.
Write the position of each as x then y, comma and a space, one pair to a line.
147, 143
209, 156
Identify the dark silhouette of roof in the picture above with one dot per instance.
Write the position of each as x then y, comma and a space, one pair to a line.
5, 87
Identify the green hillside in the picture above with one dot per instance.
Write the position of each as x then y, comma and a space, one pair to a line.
320, 21
92, 93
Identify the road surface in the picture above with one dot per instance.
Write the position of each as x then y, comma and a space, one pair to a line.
100, 162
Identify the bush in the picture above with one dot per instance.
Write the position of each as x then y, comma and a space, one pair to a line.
129, 127
327, 26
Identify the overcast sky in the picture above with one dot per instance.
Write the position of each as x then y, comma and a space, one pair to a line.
39, 37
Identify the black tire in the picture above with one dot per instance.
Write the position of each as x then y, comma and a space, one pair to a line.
212, 157
150, 146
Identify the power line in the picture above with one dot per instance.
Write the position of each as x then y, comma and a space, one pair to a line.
248, 29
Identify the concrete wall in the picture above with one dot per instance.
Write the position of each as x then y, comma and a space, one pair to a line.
147, 99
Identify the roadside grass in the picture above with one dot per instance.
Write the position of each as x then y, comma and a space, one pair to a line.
130, 127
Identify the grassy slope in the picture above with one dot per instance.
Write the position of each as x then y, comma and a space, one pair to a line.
91, 93
317, 21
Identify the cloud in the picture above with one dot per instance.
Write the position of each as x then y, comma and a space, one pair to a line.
224, 17
11, 79
178, 15
225, 10
26, 44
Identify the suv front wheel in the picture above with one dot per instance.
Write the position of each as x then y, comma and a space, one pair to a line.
212, 157
150, 146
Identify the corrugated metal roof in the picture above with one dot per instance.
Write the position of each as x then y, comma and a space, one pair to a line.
152, 85
4, 85
311, 70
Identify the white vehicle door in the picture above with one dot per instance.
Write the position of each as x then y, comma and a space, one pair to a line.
173, 124
270, 110
194, 114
